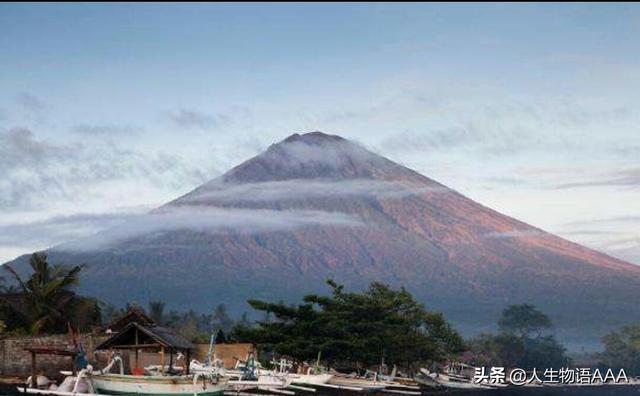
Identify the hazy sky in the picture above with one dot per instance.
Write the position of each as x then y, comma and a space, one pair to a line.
108, 110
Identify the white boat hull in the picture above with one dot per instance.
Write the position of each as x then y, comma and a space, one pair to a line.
116, 384
310, 379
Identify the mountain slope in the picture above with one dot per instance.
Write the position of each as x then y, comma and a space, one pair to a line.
317, 206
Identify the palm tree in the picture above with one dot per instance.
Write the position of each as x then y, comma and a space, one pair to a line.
49, 302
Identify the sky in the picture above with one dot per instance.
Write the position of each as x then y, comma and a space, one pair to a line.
109, 110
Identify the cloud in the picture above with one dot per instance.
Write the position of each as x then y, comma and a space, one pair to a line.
509, 126
220, 192
105, 130
19, 146
30, 102
434, 139
210, 220
591, 233
622, 178
605, 221
34, 108
487, 141
629, 254
36, 172
193, 119
60, 228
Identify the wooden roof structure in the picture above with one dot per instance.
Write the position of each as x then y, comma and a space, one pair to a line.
134, 314
139, 336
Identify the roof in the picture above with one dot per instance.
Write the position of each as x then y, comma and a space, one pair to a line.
150, 336
133, 315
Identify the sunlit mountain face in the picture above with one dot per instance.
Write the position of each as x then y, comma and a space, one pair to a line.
317, 206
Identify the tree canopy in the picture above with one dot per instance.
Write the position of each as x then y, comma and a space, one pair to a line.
353, 329
45, 302
622, 349
520, 342
524, 321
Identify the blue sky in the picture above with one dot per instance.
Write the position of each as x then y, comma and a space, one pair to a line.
111, 109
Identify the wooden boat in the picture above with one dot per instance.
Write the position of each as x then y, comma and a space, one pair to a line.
117, 384
164, 381
247, 375
453, 378
316, 378
356, 384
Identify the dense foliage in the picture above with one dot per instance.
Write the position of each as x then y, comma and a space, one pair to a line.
521, 342
45, 302
194, 326
622, 350
524, 321
354, 329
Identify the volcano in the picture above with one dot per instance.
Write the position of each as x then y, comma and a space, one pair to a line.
315, 207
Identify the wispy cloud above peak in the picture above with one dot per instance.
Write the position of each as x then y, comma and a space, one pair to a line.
106, 130
194, 119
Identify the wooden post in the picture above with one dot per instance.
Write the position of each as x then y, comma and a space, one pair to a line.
34, 374
162, 360
136, 346
186, 364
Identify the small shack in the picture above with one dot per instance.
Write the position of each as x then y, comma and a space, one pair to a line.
149, 338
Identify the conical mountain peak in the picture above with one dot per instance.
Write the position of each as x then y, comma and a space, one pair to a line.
317, 155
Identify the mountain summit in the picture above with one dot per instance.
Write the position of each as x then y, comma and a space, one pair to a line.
315, 155
317, 206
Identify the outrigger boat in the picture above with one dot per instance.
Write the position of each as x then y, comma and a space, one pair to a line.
162, 380
249, 374
313, 376
456, 376
201, 384
245, 376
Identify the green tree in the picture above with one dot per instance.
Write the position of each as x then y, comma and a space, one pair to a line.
110, 313
524, 321
354, 329
543, 352
220, 337
520, 343
622, 350
47, 302
221, 319
156, 311
502, 350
